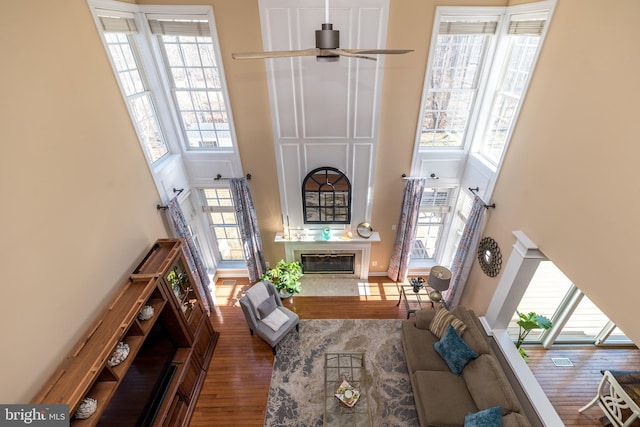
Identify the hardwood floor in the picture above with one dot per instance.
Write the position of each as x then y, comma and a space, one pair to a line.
237, 384
570, 388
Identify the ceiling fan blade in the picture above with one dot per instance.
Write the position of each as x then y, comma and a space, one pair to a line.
378, 51
276, 54
348, 53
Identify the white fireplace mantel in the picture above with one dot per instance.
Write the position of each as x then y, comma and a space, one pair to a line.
315, 242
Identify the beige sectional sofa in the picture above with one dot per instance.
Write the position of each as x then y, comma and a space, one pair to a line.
444, 398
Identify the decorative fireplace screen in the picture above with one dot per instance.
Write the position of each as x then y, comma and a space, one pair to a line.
328, 263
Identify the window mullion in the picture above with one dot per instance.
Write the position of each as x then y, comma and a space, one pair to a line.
561, 316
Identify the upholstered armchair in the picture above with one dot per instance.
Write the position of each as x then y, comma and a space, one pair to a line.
265, 314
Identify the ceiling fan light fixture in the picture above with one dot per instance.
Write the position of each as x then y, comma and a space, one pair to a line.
327, 38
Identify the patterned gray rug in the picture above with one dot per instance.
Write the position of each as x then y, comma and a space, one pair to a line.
297, 382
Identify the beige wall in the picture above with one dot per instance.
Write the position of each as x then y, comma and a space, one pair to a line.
569, 180
78, 205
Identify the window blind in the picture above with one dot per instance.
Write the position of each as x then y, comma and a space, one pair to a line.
531, 28
118, 25
468, 27
180, 28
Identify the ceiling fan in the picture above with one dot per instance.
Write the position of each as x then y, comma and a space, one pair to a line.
327, 47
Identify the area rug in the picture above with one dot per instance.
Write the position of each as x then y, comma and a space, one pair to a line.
326, 285
297, 381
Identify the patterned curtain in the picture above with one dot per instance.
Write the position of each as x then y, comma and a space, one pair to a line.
249, 231
401, 253
465, 254
191, 253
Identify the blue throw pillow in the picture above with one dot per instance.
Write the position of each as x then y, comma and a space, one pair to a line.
454, 351
491, 417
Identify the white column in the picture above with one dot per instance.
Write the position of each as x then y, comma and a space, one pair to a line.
520, 268
517, 274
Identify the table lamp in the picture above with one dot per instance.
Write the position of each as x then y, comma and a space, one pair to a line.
439, 278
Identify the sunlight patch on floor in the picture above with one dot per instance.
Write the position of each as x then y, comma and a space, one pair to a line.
363, 288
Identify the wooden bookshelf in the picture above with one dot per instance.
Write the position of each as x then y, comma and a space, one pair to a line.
170, 351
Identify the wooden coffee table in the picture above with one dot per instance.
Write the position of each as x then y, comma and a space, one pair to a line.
350, 367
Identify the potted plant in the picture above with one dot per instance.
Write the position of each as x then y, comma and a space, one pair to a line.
286, 277
527, 323
417, 283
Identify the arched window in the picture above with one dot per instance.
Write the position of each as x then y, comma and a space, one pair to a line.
326, 197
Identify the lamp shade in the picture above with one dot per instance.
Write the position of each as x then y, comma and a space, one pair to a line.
439, 278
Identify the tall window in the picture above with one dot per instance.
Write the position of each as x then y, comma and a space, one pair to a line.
169, 68
196, 85
479, 68
522, 42
458, 222
185, 104
435, 206
218, 205
480, 63
457, 63
118, 34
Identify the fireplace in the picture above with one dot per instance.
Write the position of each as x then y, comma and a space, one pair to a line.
322, 260
357, 249
324, 263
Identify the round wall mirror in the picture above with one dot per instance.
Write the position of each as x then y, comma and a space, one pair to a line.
489, 256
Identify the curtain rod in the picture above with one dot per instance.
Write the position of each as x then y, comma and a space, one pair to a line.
219, 177
486, 206
432, 176
175, 190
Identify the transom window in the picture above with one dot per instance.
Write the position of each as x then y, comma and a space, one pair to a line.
518, 66
185, 105
195, 81
121, 48
457, 63
479, 68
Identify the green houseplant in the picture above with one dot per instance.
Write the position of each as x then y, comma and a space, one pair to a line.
527, 323
285, 276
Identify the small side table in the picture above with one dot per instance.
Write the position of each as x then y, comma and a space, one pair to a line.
413, 301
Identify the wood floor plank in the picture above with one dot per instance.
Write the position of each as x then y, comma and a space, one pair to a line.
237, 382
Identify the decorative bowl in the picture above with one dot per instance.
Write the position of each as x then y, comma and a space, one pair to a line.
119, 354
146, 313
86, 408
